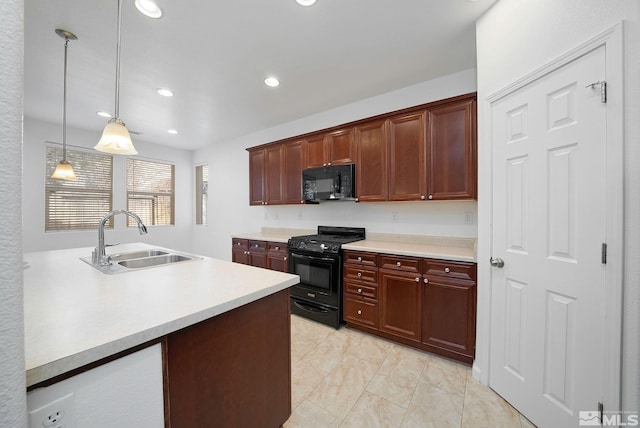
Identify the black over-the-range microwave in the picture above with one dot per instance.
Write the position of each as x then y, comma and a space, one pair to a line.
329, 183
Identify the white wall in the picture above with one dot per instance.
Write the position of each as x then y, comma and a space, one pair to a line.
12, 369
229, 210
516, 37
36, 239
123, 393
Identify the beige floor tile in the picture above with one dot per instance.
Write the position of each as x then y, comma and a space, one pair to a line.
397, 377
308, 415
329, 352
484, 408
432, 406
339, 391
445, 374
372, 411
304, 378
368, 348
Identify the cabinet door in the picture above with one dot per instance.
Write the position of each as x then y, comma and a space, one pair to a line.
240, 256
292, 178
256, 177
273, 175
341, 147
400, 304
277, 257
371, 161
315, 151
407, 159
449, 320
452, 172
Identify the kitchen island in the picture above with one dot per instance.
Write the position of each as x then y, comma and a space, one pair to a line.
209, 316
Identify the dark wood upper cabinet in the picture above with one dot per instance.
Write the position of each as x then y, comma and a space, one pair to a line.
407, 158
273, 175
452, 157
333, 148
371, 161
256, 177
293, 163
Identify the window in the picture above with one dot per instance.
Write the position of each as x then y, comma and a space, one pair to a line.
150, 192
202, 187
79, 204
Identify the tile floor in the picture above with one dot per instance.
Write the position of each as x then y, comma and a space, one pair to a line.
345, 378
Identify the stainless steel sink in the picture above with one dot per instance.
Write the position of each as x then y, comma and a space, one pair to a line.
136, 255
127, 262
154, 261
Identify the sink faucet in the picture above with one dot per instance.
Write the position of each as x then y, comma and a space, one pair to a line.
99, 257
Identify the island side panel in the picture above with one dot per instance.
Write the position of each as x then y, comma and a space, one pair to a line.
233, 370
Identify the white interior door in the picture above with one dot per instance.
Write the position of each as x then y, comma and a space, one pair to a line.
549, 224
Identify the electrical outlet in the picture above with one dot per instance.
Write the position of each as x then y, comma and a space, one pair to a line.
394, 217
57, 414
468, 217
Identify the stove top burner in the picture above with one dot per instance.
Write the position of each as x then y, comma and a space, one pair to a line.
329, 239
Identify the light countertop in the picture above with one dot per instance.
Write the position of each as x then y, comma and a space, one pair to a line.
76, 315
274, 234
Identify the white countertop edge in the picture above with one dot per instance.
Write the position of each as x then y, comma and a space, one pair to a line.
460, 254
52, 369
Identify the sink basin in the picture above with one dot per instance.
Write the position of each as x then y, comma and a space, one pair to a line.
137, 255
128, 262
154, 261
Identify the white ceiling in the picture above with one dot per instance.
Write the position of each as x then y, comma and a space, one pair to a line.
215, 55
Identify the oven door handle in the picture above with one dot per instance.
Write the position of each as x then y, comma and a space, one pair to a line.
310, 308
319, 259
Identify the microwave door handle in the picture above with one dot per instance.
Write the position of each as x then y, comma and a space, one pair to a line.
339, 186
320, 259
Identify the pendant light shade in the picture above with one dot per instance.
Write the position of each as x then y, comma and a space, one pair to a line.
64, 170
115, 136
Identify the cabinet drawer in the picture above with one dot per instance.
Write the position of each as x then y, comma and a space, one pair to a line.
459, 270
277, 247
363, 259
407, 264
357, 273
361, 311
361, 290
257, 246
240, 244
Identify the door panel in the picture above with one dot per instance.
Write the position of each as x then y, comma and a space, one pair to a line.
547, 322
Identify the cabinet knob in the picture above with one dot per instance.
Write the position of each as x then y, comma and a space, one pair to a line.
248, 252
447, 270
359, 258
266, 203
359, 311
302, 202
359, 274
430, 196
329, 163
357, 200
398, 264
285, 258
277, 248
256, 245
359, 290
422, 197
426, 281
324, 164
417, 279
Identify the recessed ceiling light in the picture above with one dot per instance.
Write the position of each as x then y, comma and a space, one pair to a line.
305, 2
172, 131
104, 114
271, 81
148, 8
164, 92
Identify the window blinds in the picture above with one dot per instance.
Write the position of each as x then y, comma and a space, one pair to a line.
150, 192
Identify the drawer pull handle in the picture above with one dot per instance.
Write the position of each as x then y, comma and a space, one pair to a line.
447, 270
359, 311
359, 274
398, 264
359, 258
417, 279
359, 290
426, 281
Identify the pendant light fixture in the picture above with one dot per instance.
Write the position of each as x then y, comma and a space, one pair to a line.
64, 170
115, 136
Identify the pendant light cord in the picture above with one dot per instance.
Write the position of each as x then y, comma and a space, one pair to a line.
117, 110
64, 104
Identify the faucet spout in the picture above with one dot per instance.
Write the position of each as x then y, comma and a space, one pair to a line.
99, 257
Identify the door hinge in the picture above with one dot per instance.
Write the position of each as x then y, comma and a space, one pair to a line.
603, 256
603, 89
601, 411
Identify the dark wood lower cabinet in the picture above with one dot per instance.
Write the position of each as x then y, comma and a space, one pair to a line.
429, 304
233, 370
